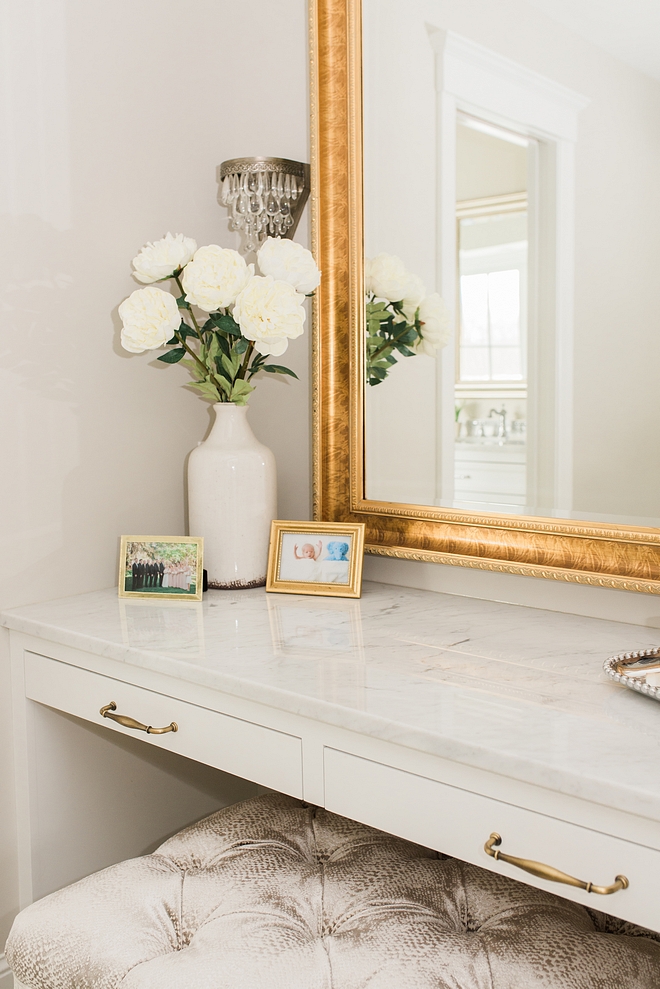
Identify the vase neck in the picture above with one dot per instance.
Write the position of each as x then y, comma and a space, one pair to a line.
231, 425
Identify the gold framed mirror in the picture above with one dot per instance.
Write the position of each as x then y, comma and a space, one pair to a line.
599, 552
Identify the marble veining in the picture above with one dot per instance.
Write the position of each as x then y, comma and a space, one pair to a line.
514, 690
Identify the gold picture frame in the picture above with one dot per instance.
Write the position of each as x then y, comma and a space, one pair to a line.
598, 553
325, 564
179, 574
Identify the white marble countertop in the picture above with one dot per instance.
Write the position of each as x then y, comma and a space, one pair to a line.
513, 690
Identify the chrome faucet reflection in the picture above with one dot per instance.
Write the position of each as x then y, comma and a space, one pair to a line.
501, 429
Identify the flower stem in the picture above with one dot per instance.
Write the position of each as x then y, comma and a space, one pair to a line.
207, 371
192, 315
182, 341
244, 366
388, 343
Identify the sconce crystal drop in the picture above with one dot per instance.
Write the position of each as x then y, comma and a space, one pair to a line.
265, 196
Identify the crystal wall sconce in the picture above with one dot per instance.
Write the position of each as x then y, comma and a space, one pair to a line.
265, 196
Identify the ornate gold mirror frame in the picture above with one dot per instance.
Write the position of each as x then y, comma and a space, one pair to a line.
584, 552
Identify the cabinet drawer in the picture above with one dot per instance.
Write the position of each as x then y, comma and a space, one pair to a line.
458, 823
504, 479
251, 751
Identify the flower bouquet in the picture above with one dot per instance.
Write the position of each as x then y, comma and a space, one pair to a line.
401, 318
223, 324
247, 317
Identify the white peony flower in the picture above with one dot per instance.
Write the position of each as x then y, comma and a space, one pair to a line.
289, 262
214, 277
414, 294
150, 317
270, 313
436, 325
163, 257
387, 277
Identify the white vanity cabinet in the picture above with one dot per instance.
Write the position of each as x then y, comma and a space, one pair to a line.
437, 718
235, 745
457, 821
490, 474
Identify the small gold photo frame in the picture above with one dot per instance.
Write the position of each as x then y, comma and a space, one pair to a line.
161, 567
316, 558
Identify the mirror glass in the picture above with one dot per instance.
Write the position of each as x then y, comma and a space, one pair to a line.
512, 242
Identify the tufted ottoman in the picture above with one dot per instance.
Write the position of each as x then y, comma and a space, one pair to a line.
274, 894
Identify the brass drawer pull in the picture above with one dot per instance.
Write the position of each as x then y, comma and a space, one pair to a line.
548, 872
121, 719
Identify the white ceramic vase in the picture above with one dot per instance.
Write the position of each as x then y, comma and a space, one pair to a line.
232, 498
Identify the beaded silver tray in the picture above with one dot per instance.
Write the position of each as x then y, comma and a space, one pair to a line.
631, 669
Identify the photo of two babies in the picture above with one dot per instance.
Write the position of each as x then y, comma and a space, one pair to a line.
323, 561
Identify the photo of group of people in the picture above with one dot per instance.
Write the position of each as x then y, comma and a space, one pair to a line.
161, 567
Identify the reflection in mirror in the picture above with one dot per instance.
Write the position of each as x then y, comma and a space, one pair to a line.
511, 165
491, 379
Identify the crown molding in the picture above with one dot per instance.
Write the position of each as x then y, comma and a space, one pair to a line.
484, 80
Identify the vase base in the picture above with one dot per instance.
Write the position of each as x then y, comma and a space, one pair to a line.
236, 585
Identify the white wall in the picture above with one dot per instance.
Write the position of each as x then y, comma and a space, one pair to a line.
399, 152
115, 116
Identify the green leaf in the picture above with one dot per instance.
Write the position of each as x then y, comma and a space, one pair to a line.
405, 351
241, 387
411, 336
182, 304
240, 392
173, 356
225, 385
240, 346
191, 365
206, 389
257, 365
378, 372
374, 381
223, 382
227, 324
230, 365
187, 331
279, 369
223, 344
223, 371
175, 339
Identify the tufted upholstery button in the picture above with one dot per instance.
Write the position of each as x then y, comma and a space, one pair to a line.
274, 894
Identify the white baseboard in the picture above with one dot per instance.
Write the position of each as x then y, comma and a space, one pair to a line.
6, 978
